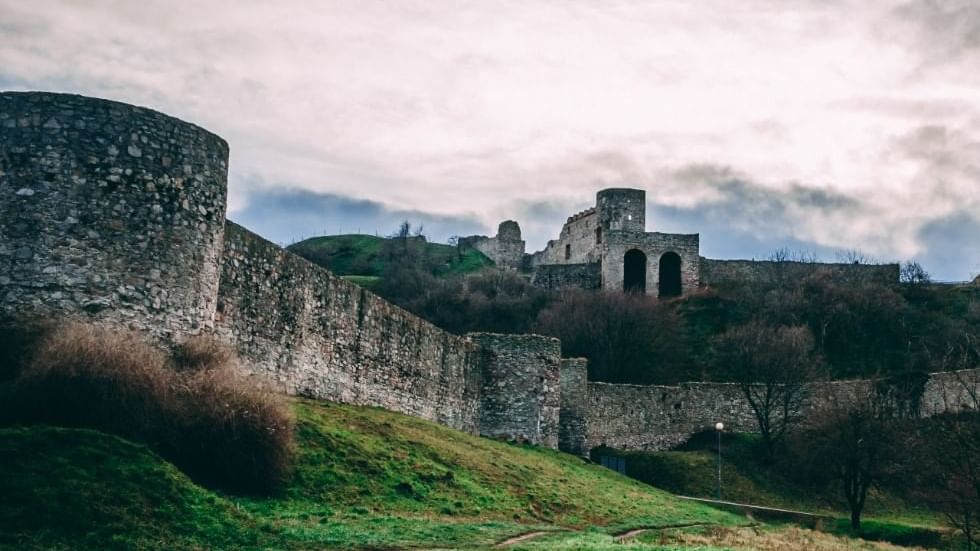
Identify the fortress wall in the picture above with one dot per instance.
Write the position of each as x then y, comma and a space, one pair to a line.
321, 336
720, 272
579, 235
109, 212
506, 249
653, 245
557, 276
572, 420
654, 417
951, 390
634, 417
520, 397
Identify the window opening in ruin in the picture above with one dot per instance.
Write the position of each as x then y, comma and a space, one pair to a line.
670, 275
568, 252
634, 271
598, 236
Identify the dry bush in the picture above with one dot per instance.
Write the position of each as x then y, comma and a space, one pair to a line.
218, 426
235, 432
202, 352
87, 376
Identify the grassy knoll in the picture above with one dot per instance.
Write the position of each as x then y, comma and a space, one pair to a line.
365, 478
364, 256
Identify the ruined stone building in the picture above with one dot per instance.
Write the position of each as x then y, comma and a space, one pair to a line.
607, 247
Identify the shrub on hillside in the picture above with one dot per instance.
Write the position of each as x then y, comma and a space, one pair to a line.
221, 428
234, 432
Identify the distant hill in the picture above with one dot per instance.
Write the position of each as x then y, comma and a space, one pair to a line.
363, 258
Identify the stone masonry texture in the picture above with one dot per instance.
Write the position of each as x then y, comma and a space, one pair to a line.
318, 335
573, 417
109, 211
521, 385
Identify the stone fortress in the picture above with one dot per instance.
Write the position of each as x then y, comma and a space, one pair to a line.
115, 214
607, 247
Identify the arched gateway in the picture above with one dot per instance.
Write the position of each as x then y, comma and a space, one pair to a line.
634, 271
670, 275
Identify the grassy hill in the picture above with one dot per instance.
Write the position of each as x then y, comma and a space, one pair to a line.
363, 257
366, 478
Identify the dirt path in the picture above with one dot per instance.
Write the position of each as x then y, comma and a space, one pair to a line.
521, 538
630, 534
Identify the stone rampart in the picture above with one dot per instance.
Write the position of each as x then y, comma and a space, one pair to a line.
726, 272
577, 243
109, 211
654, 417
116, 214
521, 385
572, 420
318, 335
634, 417
559, 276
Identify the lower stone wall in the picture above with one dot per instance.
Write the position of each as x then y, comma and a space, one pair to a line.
633, 417
520, 391
321, 336
721, 272
557, 276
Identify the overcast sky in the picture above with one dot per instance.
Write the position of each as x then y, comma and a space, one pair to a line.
817, 125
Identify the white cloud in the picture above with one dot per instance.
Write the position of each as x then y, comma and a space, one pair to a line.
482, 107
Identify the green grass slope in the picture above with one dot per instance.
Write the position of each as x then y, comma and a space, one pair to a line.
81, 489
362, 256
365, 478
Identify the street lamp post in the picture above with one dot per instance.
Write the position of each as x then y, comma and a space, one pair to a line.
719, 427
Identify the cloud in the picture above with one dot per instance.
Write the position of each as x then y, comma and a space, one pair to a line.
838, 124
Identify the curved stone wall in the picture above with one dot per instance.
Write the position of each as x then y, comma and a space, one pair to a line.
111, 211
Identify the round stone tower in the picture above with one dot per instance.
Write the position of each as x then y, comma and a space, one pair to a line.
622, 209
109, 211
509, 230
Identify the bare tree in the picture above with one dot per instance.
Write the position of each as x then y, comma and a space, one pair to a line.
913, 273
772, 366
849, 440
945, 460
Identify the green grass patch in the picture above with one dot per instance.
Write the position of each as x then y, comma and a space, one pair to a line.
363, 256
365, 478
81, 489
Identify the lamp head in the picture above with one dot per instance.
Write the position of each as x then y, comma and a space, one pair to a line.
719, 426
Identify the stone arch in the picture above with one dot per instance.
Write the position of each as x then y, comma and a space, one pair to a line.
635, 271
669, 284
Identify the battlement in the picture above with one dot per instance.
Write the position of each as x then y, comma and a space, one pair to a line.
581, 214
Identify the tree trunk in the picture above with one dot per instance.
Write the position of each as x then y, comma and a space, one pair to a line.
855, 519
